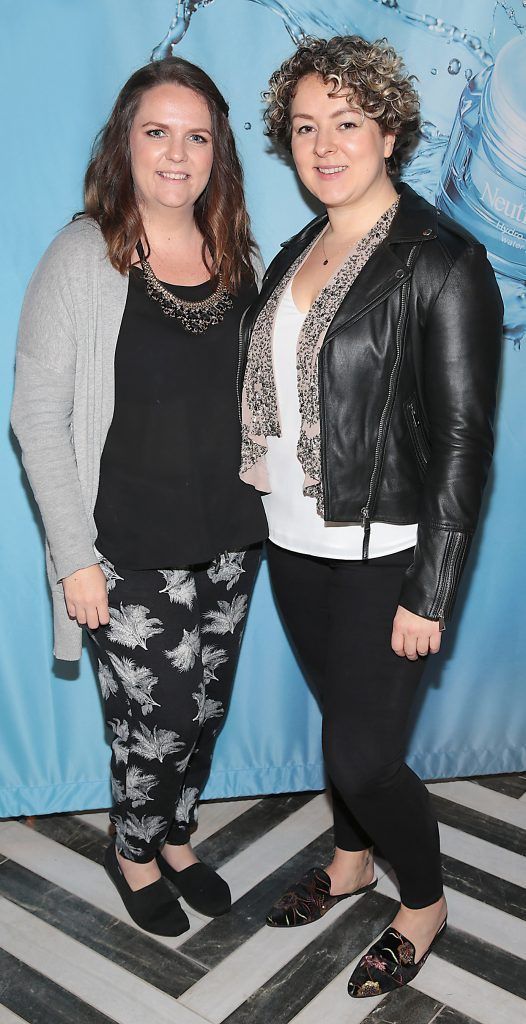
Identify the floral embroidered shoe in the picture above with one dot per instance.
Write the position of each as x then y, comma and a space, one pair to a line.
388, 964
308, 900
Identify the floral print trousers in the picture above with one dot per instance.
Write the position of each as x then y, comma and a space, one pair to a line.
166, 665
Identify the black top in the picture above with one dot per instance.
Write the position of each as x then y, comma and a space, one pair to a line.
169, 491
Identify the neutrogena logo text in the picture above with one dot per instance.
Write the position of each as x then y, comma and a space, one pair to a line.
499, 203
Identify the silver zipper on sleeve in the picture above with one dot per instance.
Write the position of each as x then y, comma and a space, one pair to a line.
455, 549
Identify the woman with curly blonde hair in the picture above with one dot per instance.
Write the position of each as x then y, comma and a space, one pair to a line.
370, 368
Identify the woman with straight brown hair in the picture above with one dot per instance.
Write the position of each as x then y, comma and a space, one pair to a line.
125, 408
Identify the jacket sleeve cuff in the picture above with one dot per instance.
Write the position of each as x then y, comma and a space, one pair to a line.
431, 583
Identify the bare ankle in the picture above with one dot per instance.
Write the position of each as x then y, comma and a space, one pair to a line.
137, 874
179, 857
435, 909
350, 869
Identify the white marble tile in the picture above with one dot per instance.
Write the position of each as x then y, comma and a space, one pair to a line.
88, 975
75, 873
481, 854
81, 876
8, 1017
247, 868
480, 798
225, 987
99, 819
333, 1004
469, 995
478, 919
216, 814
213, 815
487, 923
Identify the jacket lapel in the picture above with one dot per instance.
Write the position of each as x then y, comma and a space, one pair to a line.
385, 271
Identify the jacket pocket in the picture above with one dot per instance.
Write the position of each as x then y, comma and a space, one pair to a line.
417, 432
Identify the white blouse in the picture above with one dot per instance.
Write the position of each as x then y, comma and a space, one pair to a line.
293, 520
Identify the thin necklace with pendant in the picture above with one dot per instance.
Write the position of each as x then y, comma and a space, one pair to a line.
327, 258
353, 246
196, 315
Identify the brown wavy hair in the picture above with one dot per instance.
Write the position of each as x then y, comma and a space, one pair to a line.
373, 73
220, 212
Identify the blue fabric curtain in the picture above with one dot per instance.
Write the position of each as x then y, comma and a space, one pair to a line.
62, 65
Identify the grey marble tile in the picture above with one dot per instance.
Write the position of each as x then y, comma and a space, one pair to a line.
511, 785
406, 1006
450, 1016
483, 960
37, 1000
78, 836
303, 977
118, 942
485, 887
249, 826
221, 937
500, 833
89, 841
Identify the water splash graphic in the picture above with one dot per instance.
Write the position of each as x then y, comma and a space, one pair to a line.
301, 18
178, 27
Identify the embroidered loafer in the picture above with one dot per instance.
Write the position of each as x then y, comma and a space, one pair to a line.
308, 900
388, 964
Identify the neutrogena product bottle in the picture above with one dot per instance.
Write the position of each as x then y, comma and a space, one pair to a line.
483, 178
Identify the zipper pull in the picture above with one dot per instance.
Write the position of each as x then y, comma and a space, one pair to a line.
366, 525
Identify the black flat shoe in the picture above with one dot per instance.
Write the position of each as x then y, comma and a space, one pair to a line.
308, 900
388, 964
153, 908
202, 888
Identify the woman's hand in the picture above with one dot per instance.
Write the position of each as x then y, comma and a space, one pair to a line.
413, 635
86, 596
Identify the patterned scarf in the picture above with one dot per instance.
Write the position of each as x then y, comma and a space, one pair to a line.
260, 415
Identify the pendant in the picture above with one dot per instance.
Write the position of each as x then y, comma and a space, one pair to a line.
325, 262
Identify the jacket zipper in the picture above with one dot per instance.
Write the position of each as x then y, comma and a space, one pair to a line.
419, 441
365, 512
455, 549
238, 374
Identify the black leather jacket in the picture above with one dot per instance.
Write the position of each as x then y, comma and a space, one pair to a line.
407, 382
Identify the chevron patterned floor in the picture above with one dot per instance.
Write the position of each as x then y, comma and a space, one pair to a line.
69, 953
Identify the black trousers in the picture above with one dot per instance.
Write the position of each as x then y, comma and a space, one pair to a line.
339, 615
166, 666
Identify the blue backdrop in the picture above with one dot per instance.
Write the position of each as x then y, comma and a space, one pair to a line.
62, 64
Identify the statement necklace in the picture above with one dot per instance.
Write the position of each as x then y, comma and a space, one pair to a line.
195, 316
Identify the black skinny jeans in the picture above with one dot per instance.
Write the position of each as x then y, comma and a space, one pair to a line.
340, 615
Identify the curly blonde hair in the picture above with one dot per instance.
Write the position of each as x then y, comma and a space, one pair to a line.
373, 73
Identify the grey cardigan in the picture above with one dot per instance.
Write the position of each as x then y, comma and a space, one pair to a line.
64, 400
